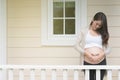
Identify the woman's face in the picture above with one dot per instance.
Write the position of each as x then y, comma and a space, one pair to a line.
96, 24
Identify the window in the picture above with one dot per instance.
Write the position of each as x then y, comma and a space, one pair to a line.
61, 21
63, 17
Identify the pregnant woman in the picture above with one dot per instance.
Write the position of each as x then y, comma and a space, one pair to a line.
92, 43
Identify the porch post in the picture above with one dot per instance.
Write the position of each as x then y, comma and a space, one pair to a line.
3, 38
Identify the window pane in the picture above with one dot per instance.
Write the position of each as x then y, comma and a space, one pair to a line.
58, 26
70, 26
58, 9
70, 9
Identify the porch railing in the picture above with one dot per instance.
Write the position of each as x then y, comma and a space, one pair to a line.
9, 69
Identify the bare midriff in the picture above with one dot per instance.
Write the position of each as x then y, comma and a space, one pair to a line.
94, 51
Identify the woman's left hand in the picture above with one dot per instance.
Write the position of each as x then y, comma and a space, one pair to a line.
99, 57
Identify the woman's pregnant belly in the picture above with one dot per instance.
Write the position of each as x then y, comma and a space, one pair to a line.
94, 50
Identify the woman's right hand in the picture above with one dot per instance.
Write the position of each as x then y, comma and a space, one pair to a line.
89, 55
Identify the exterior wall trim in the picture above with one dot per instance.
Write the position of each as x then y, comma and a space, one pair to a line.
3, 41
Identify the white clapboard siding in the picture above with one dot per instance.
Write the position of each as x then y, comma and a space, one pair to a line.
24, 42
47, 60
24, 32
24, 22
38, 52
103, 2
114, 31
114, 10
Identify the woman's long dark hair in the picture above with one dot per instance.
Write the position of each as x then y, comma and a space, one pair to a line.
103, 30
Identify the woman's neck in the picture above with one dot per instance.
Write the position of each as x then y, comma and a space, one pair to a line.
93, 32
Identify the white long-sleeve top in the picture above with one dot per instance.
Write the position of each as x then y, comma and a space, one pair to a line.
81, 43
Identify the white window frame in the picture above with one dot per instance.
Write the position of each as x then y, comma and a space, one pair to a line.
49, 39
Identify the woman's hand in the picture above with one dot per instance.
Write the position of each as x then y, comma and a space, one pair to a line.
89, 55
99, 57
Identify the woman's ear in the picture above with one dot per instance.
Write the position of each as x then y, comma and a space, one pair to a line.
91, 22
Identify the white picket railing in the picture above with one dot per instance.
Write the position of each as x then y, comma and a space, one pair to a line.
54, 68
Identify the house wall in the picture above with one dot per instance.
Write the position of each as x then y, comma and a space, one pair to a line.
24, 34
24, 37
